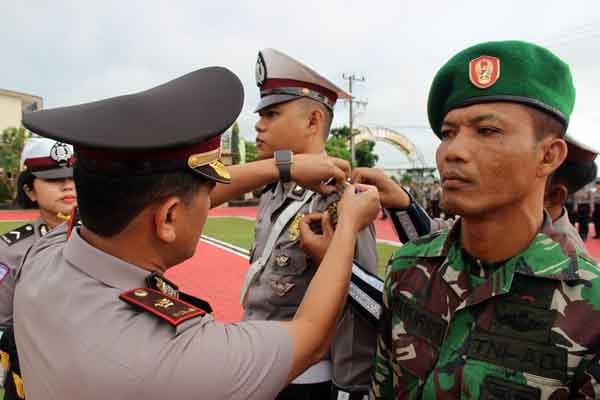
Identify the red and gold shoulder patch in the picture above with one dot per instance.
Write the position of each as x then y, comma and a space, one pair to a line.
167, 308
484, 71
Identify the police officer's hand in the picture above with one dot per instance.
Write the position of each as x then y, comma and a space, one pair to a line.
319, 172
358, 207
316, 232
390, 193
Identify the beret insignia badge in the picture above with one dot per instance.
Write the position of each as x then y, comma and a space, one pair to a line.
261, 70
484, 71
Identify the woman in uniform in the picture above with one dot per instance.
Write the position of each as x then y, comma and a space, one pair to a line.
45, 183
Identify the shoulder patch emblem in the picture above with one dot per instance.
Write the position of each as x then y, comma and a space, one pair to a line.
4, 270
43, 229
18, 234
167, 308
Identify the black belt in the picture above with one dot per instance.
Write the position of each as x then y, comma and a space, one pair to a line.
341, 394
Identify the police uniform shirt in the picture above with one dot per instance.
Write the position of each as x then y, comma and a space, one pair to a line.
563, 225
13, 248
80, 340
278, 289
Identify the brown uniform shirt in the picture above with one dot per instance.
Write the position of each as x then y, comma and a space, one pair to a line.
78, 340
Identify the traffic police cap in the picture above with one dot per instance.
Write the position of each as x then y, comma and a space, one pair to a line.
173, 126
47, 158
512, 71
282, 78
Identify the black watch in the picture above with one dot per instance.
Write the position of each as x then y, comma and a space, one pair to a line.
283, 161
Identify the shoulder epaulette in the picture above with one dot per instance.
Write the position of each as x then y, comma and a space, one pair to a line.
18, 234
167, 308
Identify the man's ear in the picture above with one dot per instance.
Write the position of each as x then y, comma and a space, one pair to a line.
316, 120
556, 196
166, 214
553, 153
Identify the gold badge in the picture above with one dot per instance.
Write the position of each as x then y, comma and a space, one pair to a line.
332, 211
140, 293
484, 71
220, 169
282, 260
294, 229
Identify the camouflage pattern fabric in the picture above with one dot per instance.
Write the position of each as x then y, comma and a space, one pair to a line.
453, 327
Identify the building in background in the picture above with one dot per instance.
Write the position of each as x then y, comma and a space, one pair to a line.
12, 106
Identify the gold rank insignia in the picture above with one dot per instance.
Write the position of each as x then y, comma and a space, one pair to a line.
167, 308
294, 229
332, 211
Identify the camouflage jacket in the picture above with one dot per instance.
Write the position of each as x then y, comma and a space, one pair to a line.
453, 327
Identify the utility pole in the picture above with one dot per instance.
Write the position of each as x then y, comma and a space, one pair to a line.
351, 78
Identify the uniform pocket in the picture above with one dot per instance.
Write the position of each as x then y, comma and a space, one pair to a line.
288, 262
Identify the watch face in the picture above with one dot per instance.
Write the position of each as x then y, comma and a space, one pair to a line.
283, 156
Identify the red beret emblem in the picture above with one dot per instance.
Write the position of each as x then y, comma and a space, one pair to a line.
484, 71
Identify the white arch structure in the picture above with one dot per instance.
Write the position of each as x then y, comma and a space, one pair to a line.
390, 136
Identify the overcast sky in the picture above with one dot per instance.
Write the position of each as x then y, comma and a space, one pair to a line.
78, 51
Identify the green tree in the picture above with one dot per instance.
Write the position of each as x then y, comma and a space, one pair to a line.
11, 147
338, 145
235, 143
251, 153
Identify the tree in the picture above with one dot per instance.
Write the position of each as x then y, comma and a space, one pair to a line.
338, 145
235, 143
11, 146
251, 153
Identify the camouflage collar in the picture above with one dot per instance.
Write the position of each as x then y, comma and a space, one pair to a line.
551, 254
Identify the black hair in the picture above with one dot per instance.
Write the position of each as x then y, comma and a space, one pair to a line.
574, 176
107, 204
545, 124
25, 178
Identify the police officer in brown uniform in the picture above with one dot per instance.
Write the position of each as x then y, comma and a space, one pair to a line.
95, 318
296, 108
46, 183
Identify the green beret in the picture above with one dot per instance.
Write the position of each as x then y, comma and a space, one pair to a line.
512, 71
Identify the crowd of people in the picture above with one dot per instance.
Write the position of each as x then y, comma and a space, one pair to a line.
492, 296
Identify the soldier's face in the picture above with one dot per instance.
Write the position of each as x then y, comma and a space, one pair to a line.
54, 195
282, 126
488, 159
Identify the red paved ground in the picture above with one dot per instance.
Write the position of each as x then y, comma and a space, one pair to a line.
216, 276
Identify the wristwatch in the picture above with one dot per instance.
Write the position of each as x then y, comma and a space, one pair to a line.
283, 161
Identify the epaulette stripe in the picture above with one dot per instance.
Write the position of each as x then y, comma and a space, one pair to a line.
168, 308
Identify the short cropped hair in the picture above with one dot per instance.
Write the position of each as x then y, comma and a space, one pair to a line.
107, 204
308, 102
25, 178
546, 124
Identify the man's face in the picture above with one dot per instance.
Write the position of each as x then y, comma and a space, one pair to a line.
281, 126
488, 158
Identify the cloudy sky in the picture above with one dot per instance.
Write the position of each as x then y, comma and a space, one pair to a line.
76, 51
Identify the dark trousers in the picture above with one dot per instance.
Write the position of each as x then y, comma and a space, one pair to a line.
583, 217
436, 211
312, 391
596, 218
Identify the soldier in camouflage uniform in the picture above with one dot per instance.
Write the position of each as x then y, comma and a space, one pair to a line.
501, 305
